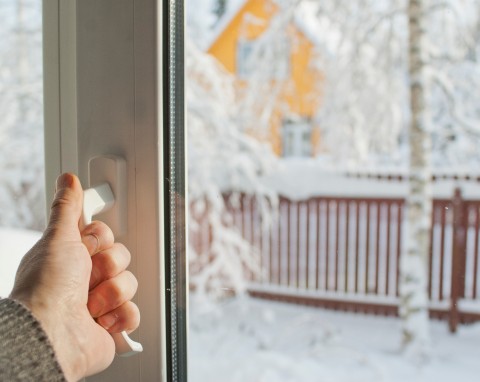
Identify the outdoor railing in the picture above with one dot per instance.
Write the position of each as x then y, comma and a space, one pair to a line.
344, 253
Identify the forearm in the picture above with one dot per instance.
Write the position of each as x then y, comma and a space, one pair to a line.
26, 353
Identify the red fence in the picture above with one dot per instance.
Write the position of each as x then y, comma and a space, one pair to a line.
344, 253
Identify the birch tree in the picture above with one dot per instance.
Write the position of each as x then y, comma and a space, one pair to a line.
413, 278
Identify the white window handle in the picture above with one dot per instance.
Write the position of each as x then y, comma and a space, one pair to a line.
96, 200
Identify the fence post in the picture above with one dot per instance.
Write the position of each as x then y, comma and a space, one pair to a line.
458, 258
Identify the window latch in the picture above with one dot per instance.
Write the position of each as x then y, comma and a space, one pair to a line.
100, 199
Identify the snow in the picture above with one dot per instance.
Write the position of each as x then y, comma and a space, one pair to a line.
299, 179
14, 243
222, 158
233, 7
21, 108
246, 339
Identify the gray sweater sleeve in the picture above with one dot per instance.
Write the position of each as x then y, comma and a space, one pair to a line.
25, 350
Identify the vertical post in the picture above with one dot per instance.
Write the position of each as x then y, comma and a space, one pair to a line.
270, 250
279, 241
347, 241
430, 252
388, 254
289, 250
367, 250
317, 245
307, 255
475, 264
253, 242
327, 244
377, 248
357, 246
458, 258
443, 223
299, 205
337, 240
399, 245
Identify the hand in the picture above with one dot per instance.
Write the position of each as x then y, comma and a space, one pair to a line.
75, 283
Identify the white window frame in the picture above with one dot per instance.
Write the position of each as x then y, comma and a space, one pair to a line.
293, 138
107, 92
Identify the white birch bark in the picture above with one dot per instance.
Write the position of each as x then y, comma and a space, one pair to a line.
413, 279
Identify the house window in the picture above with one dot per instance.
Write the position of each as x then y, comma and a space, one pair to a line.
244, 53
296, 138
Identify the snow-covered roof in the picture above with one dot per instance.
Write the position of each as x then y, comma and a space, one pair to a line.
233, 9
319, 31
237, 5
301, 178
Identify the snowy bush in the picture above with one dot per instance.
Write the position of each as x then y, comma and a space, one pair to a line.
222, 159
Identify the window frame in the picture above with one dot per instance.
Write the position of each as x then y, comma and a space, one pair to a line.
294, 134
99, 61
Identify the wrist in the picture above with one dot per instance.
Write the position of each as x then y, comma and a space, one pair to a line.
63, 339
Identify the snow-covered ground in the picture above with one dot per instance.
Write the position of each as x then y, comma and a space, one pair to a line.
252, 340
14, 243
261, 341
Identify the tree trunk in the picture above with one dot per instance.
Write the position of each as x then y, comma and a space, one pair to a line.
413, 291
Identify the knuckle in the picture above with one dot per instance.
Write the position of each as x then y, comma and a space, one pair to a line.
114, 261
124, 287
132, 280
112, 265
101, 230
118, 293
134, 316
63, 198
123, 254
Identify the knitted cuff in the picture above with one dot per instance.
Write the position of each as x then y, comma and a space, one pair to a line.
26, 353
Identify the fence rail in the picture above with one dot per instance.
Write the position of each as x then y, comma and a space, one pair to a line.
344, 253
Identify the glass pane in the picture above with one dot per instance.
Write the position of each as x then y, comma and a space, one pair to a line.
325, 227
22, 195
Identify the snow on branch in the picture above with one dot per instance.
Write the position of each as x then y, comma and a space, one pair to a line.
223, 159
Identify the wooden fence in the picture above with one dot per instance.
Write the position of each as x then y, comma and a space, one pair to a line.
344, 253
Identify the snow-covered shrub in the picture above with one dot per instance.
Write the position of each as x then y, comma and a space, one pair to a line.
222, 159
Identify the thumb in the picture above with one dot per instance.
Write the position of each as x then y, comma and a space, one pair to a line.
66, 207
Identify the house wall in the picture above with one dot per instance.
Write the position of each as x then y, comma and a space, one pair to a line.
300, 91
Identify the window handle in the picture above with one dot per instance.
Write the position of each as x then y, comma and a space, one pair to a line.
96, 200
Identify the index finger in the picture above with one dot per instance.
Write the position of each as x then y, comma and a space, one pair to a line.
97, 237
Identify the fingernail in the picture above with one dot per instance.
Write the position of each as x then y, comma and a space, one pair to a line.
108, 320
64, 181
95, 305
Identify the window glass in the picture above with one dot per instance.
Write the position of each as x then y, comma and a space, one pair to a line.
297, 138
333, 191
243, 54
22, 196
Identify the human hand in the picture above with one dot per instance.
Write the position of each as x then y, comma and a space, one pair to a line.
74, 280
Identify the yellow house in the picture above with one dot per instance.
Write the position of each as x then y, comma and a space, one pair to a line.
297, 94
